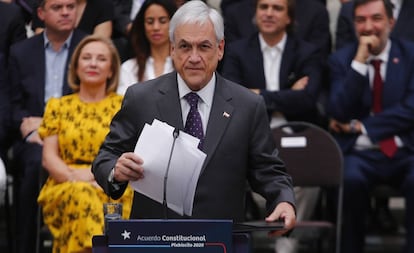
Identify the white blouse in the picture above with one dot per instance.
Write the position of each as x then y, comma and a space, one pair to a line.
129, 70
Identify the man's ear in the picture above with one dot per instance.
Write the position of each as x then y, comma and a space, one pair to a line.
221, 49
40, 13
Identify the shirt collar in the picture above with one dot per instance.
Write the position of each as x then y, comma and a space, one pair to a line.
65, 44
280, 46
206, 93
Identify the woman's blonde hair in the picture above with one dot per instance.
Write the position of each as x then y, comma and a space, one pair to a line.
112, 82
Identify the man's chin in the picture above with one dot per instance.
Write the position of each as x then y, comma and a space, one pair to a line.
194, 82
375, 51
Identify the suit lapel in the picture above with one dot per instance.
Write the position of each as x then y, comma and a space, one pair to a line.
255, 61
168, 103
76, 38
169, 108
393, 77
287, 76
40, 69
220, 116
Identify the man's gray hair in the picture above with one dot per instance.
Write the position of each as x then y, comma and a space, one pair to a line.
197, 12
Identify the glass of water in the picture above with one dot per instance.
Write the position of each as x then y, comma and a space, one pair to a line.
112, 211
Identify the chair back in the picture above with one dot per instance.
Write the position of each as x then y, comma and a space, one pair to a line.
313, 158
311, 155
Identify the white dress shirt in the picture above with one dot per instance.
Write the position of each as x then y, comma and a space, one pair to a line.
272, 58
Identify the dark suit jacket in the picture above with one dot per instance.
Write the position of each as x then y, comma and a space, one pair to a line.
345, 30
27, 76
4, 107
311, 22
122, 11
243, 63
351, 97
29, 8
237, 147
12, 27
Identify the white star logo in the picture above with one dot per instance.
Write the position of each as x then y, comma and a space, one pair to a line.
126, 235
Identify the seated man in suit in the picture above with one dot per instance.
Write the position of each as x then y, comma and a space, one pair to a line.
311, 22
402, 12
285, 70
275, 63
231, 123
381, 217
372, 102
37, 71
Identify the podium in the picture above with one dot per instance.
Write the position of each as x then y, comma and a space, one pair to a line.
171, 236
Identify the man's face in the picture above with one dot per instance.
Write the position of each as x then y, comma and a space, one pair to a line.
58, 15
371, 20
195, 53
272, 16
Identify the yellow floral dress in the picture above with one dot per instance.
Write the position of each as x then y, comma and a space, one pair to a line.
73, 211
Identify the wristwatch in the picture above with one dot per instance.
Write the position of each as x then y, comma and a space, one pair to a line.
353, 126
111, 176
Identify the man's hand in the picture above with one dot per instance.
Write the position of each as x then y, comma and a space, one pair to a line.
29, 124
128, 167
257, 91
34, 137
368, 45
283, 211
301, 83
353, 127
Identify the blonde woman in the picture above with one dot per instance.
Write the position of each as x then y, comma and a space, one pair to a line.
73, 128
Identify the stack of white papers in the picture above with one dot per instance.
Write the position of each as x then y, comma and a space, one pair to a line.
154, 146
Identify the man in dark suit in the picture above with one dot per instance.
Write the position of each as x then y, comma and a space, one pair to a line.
381, 216
4, 107
372, 103
311, 21
286, 71
345, 30
37, 68
235, 132
12, 28
298, 67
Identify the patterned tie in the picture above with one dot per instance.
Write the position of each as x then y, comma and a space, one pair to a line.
193, 125
387, 146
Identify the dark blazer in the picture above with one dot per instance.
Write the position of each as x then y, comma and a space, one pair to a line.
345, 30
243, 63
238, 147
29, 8
4, 107
122, 11
311, 22
351, 98
27, 76
12, 28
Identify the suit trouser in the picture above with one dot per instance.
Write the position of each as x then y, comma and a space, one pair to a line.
27, 160
362, 171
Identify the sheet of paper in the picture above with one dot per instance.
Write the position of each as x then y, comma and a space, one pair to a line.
154, 146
